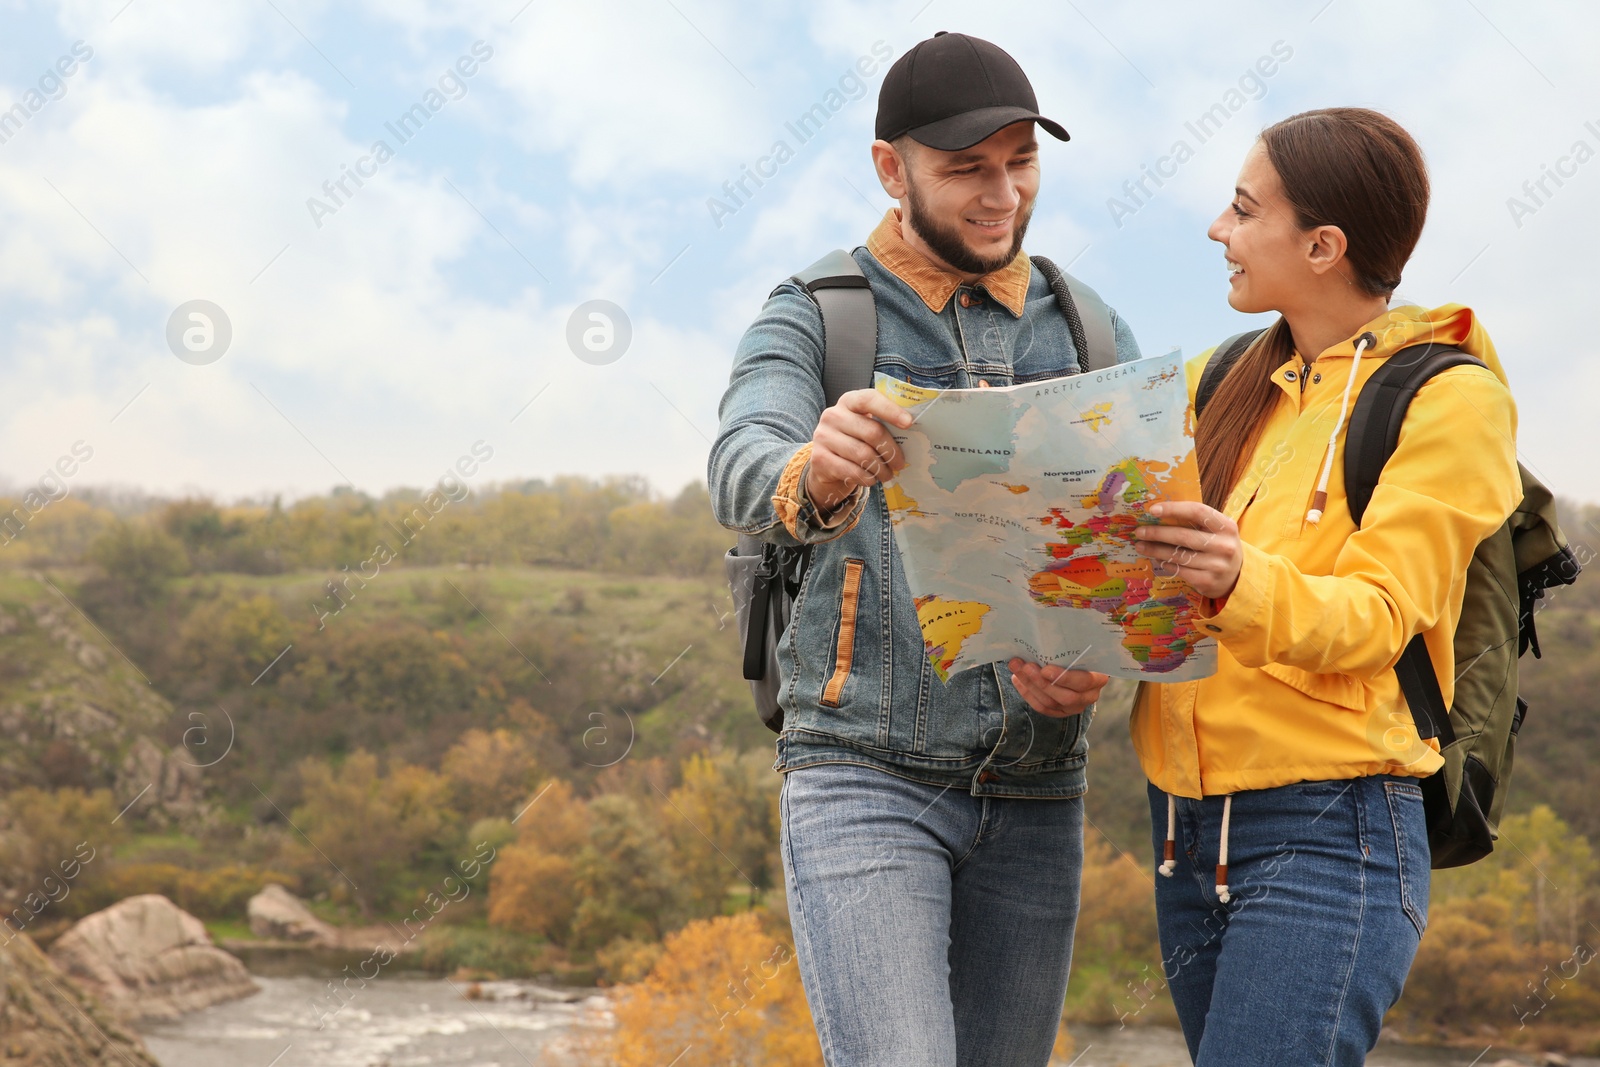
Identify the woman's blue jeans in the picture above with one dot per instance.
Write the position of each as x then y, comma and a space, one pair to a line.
933, 928
1329, 887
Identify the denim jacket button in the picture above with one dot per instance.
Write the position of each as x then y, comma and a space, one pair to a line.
966, 300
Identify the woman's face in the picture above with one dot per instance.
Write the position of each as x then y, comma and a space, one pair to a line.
1265, 248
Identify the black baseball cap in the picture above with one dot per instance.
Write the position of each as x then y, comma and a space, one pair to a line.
951, 91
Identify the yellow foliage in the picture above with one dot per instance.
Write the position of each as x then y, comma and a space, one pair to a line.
1062, 1050
1510, 941
227, 641
45, 834
1117, 915
490, 772
1467, 967
723, 821
627, 959
1540, 867
532, 888
727, 991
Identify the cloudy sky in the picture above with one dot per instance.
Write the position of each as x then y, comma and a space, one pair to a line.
560, 153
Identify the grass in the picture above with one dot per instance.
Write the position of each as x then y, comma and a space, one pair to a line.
229, 930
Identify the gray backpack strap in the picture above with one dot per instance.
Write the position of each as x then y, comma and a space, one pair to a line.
849, 322
764, 578
1222, 358
1087, 317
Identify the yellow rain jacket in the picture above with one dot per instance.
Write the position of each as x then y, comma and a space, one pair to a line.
1307, 641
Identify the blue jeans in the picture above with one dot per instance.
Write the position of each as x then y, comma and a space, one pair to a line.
1329, 885
933, 928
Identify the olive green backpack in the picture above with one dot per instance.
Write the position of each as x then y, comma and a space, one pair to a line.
1506, 580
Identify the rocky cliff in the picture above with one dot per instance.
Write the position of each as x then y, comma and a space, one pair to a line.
46, 1020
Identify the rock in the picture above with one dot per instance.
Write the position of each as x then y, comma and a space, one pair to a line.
168, 785
147, 958
279, 915
516, 989
48, 1021
1554, 1059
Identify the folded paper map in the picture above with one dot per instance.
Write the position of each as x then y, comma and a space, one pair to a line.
1015, 517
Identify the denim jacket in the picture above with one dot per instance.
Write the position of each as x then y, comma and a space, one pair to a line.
856, 683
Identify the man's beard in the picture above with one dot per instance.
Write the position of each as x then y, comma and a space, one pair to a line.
948, 245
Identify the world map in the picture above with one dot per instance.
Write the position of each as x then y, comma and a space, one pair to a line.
1014, 521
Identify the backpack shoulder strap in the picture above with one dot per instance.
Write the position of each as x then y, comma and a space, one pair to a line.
1088, 317
1373, 431
1371, 436
849, 322
1217, 366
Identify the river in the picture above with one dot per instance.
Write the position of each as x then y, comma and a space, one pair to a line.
393, 1022
411, 1022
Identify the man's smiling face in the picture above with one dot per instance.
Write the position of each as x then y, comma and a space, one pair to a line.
968, 209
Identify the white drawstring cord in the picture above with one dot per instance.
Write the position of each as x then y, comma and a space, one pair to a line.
1169, 850
1222, 852
1320, 500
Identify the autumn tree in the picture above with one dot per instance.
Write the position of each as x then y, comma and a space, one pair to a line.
138, 558
1511, 939
1544, 871
723, 991
1467, 968
491, 773
723, 824
228, 642
623, 875
533, 884
372, 835
47, 838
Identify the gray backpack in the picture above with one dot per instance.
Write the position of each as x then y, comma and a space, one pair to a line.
765, 578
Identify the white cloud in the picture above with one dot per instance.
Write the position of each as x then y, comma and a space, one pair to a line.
405, 328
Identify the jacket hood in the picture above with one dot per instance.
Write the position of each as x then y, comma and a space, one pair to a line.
1401, 327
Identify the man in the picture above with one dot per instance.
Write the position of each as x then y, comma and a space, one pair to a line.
932, 833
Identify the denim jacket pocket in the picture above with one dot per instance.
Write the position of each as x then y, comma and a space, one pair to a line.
1405, 810
844, 647
928, 375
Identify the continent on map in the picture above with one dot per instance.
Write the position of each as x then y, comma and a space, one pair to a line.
946, 625
1157, 629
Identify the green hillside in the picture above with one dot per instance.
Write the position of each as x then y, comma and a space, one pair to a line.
350, 695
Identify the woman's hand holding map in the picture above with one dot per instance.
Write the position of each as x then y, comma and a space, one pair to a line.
1195, 542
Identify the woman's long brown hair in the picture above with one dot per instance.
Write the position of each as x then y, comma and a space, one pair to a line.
1348, 167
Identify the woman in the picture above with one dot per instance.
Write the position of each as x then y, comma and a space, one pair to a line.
1296, 885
